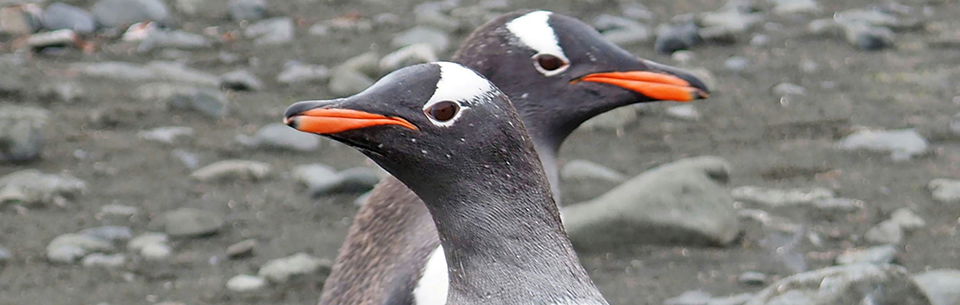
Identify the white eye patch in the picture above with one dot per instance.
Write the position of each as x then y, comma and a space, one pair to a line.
459, 85
534, 31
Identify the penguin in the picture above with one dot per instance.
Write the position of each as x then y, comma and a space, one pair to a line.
558, 72
457, 142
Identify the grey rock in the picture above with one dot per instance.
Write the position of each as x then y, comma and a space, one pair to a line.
280, 136
362, 199
145, 239
941, 286
241, 249
166, 135
11, 85
114, 13
737, 63
693, 297
873, 17
295, 72
65, 254
58, 38
731, 20
118, 210
760, 40
778, 197
955, 123
18, 19
248, 9
876, 255
64, 16
104, 260
902, 144
945, 190
636, 10
232, 170
789, 89
205, 101
907, 219
316, 176
68, 248
422, 34
176, 39
22, 132
5, 255
62, 91
791, 7
684, 201
345, 82
190, 222
321, 181
406, 56
271, 31
436, 13
684, 112
587, 170
283, 269
178, 72
357, 179
621, 30
752, 278
246, 283
156, 252
838, 204
867, 37
613, 120
110, 233
671, 38
366, 63
240, 80
851, 284
737, 299
116, 70
189, 159
885, 232
30, 186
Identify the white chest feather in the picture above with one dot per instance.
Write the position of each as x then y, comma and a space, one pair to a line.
434, 284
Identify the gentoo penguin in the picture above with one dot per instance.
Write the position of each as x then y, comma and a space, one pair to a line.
558, 72
455, 140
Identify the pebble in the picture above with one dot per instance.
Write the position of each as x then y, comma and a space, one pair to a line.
68, 248
849, 284
110, 233
876, 255
22, 132
206, 101
272, 31
156, 252
587, 170
190, 222
736, 63
907, 219
671, 38
346, 82
116, 70
730, 20
189, 159
321, 180
316, 175
246, 283
5, 255
247, 9
166, 135
62, 91
789, 89
942, 286
780, 197
296, 72
752, 278
434, 13
114, 13
118, 210
737, 299
622, 31
176, 39
683, 112
104, 260
240, 80
241, 249
792, 7
232, 170
178, 72
64, 16
870, 38
357, 179
945, 190
902, 144
885, 232
433, 37
362, 199
31, 186
145, 239
282, 269
407, 56
18, 19
693, 297
280, 136
760, 40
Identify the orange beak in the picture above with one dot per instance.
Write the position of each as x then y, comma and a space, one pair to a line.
659, 86
333, 120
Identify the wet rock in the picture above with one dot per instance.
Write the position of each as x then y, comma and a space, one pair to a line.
346, 82
109, 233
693, 297
68, 248
271, 31
945, 190
752, 278
422, 35
851, 284
671, 38
178, 72
283, 269
208, 102
941, 286
22, 133
248, 9
407, 56
902, 144
64, 16
246, 283
240, 80
166, 135
587, 170
62, 91
907, 219
875, 255
114, 13
612, 120
232, 170
683, 112
621, 30
241, 249
777, 197
736, 63
789, 89
189, 222
104, 260
280, 136
33, 187
296, 72
116, 70
684, 201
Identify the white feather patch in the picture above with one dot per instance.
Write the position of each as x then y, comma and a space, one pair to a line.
534, 31
458, 84
434, 284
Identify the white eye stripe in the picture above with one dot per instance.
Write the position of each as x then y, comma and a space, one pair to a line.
457, 84
534, 31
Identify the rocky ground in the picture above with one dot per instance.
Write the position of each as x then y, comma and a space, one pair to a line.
146, 164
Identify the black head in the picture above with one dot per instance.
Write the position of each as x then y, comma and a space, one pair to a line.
437, 118
559, 71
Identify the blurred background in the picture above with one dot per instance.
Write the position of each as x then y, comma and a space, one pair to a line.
142, 160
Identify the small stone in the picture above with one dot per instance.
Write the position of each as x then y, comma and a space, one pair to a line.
671, 38
18, 19
778, 197
849, 284
68, 248
296, 72
189, 222
248, 9
62, 91
271, 31
870, 38
246, 283
435, 13
156, 252
110, 233
33, 187
409, 55
155, 38
736, 63
586, 170
146, 239
760, 40
729, 21
316, 176
422, 34
693, 297
752, 278
907, 219
683, 112
737, 299
345, 82
886, 232
116, 70
789, 89
166, 135
22, 133
838, 204
241, 249
790, 7
945, 190
58, 38
189, 159
280, 136
66, 254
902, 144
622, 31
366, 63
104, 260
114, 13
118, 210
876, 255
941, 286
178, 72
362, 199
5, 255
357, 179
208, 102
64, 16
282, 269
240, 80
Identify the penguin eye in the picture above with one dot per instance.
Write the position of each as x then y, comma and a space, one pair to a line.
549, 62
443, 111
